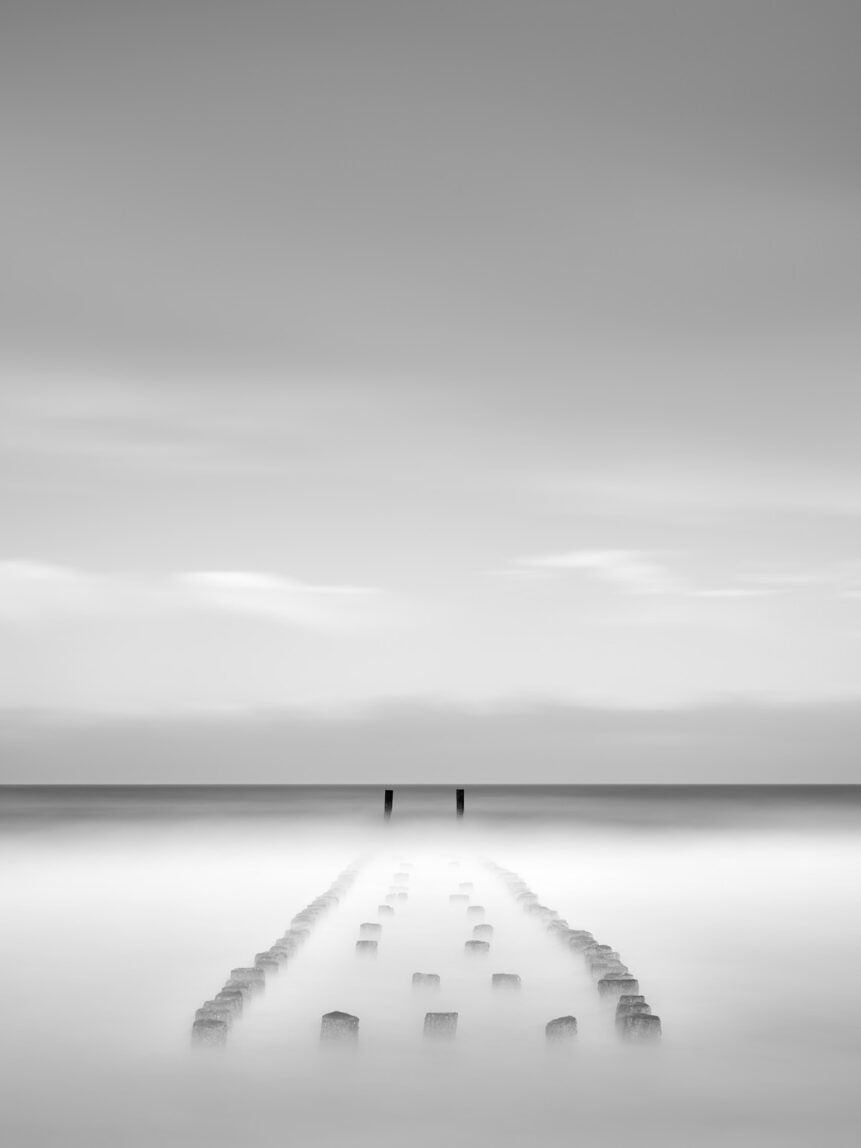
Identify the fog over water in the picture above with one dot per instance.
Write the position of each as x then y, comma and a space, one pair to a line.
124, 911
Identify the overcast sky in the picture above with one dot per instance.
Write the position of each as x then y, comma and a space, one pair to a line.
475, 352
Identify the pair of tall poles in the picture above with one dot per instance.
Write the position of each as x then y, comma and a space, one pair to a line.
389, 800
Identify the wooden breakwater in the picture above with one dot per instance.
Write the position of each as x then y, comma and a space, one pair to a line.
633, 1018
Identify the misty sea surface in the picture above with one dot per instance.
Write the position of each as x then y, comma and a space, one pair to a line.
123, 909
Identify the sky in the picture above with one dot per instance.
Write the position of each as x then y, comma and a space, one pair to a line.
458, 353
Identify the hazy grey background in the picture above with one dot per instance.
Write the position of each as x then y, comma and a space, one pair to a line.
470, 354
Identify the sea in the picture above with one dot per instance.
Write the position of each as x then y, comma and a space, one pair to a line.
123, 909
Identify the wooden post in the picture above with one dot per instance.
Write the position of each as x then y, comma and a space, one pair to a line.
341, 1026
388, 801
459, 801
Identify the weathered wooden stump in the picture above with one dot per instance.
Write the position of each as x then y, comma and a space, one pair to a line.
640, 1008
307, 918
254, 978
242, 987
426, 980
579, 941
342, 1027
458, 898
477, 948
216, 1010
483, 932
563, 1028
542, 911
466, 886
368, 930
475, 912
366, 948
610, 970
323, 903
505, 981
640, 1027
233, 998
595, 950
385, 910
209, 1031
440, 1025
614, 986
600, 968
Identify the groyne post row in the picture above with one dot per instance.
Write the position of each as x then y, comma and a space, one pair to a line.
478, 945
343, 1027
371, 932
214, 1019
634, 1019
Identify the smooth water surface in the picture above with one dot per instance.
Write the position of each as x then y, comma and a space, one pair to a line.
122, 910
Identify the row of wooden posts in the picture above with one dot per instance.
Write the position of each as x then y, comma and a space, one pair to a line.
343, 1027
213, 1020
634, 1018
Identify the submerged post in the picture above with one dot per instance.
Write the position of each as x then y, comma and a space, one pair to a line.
459, 801
388, 801
339, 1026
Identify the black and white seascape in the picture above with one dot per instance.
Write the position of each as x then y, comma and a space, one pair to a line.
430, 573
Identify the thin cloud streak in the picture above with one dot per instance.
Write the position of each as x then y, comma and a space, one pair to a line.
632, 571
279, 599
629, 571
36, 593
